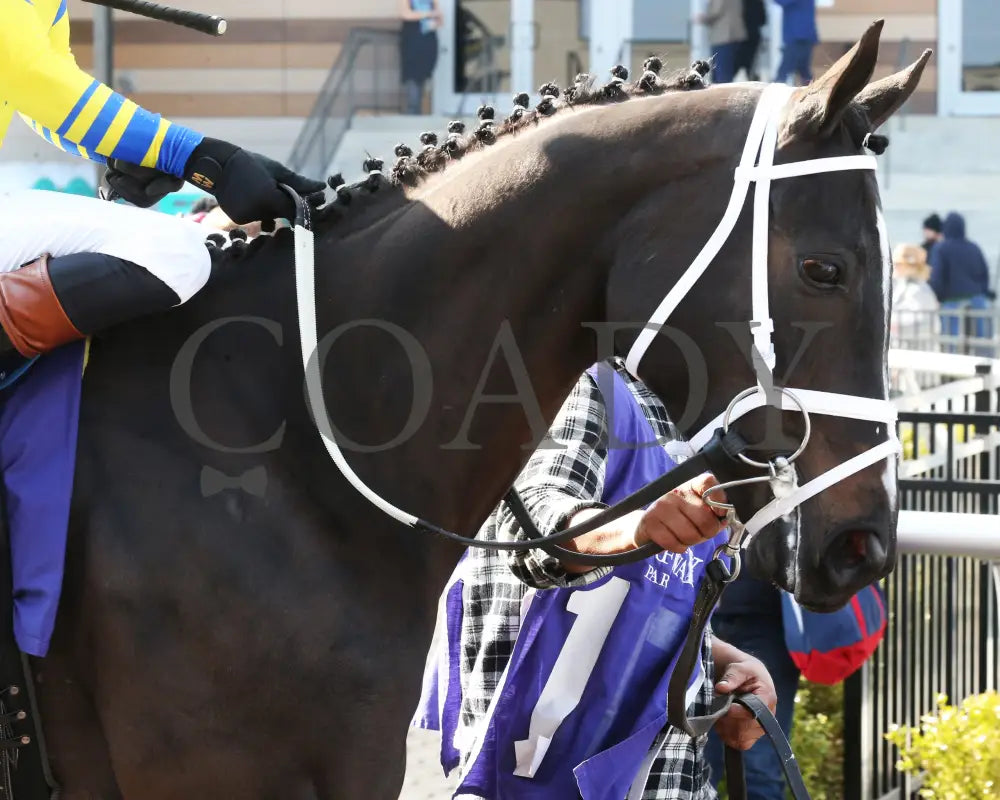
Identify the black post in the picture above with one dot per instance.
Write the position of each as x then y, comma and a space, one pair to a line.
987, 597
983, 406
856, 761
104, 55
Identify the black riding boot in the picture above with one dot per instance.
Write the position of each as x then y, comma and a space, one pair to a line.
51, 301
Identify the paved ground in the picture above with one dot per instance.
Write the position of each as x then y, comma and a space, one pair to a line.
424, 780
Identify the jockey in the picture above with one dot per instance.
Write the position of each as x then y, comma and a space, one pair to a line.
73, 265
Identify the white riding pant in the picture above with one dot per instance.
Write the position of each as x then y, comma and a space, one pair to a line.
34, 222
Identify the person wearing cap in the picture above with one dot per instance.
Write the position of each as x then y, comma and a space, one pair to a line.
932, 233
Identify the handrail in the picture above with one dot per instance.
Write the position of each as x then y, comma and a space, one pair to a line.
313, 149
574, 66
949, 534
954, 364
487, 76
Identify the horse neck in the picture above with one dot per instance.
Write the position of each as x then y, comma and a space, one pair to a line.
509, 246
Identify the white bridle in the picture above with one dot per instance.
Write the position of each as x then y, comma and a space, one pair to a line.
761, 141
757, 166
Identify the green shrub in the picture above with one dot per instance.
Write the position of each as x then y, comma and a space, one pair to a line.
818, 738
955, 748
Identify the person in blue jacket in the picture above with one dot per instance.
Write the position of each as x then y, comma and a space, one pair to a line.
960, 279
798, 36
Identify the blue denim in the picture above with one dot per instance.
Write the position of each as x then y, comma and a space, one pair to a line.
724, 61
796, 59
952, 324
762, 636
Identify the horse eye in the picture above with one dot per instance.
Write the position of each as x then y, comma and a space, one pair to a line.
820, 273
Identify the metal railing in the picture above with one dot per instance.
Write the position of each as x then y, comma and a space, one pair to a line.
479, 50
963, 331
943, 632
364, 79
948, 330
574, 66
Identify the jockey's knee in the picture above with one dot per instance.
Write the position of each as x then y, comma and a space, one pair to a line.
52, 301
97, 290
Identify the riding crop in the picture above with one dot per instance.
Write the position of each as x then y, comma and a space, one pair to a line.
206, 23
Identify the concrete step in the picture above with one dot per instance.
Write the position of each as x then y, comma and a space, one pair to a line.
943, 145
941, 191
405, 123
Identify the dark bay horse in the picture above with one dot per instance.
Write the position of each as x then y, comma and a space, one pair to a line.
223, 644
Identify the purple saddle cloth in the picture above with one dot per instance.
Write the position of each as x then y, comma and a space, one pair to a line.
39, 419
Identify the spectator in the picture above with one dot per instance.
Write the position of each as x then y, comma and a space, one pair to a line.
798, 36
419, 48
754, 18
932, 233
727, 34
914, 307
960, 279
913, 301
749, 616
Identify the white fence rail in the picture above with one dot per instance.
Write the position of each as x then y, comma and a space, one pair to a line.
947, 534
962, 330
943, 633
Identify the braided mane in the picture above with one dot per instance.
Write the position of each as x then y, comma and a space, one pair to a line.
412, 167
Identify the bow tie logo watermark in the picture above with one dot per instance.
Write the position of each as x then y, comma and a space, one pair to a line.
253, 481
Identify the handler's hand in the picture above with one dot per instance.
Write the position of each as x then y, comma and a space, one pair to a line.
738, 728
682, 518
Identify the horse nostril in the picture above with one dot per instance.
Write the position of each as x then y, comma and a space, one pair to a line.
853, 548
856, 546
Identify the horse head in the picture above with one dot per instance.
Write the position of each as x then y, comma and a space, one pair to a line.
826, 282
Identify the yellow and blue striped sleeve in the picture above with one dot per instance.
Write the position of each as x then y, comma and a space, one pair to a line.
65, 145
73, 110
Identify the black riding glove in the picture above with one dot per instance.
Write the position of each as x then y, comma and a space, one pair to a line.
245, 183
140, 186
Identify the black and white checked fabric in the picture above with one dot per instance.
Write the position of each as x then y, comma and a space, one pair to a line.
565, 475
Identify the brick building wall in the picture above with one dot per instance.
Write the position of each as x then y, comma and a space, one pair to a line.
270, 63
275, 55
910, 27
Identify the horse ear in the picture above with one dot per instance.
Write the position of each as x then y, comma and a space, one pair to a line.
882, 99
819, 108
